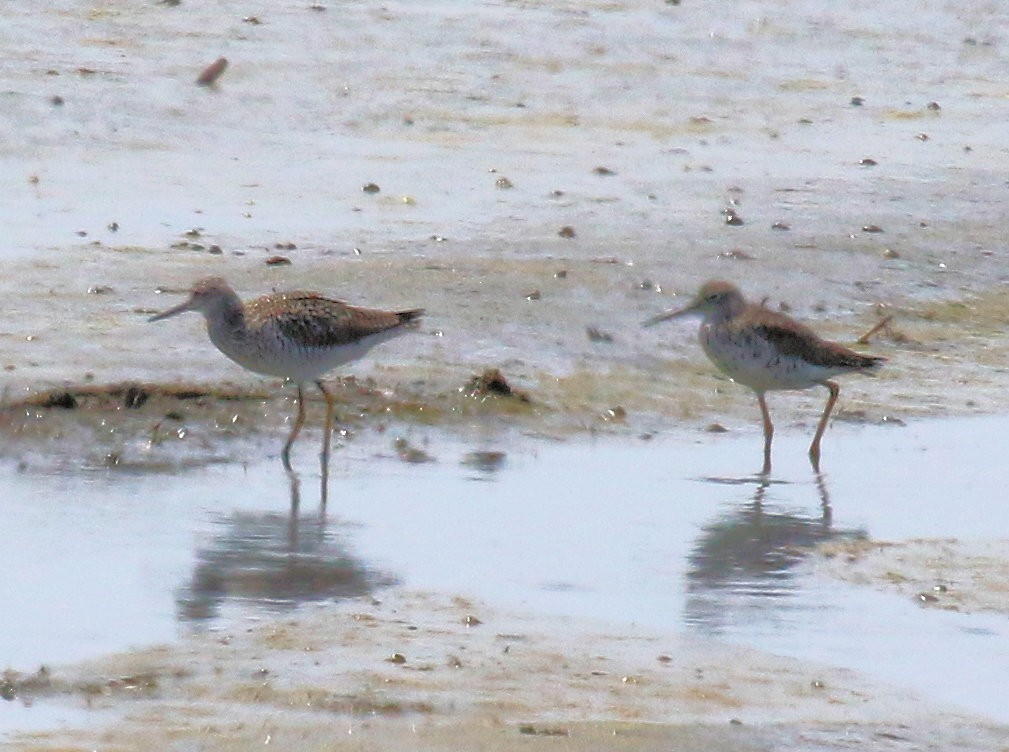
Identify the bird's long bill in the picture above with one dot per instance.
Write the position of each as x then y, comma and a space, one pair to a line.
180, 308
672, 314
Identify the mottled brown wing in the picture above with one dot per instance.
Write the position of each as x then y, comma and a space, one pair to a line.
316, 321
795, 339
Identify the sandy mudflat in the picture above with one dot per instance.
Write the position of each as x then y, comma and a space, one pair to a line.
416, 670
967, 576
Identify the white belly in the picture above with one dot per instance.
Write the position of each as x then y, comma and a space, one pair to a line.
276, 356
754, 362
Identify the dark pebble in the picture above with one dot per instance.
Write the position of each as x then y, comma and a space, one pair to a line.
135, 397
212, 72
64, 400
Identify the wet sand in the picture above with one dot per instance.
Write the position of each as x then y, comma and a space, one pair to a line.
412, 669
948, 574
636, 126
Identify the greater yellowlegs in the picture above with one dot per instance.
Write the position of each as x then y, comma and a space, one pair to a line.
767, 351
298, 336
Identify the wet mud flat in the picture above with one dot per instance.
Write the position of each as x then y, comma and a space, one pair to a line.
144, 426
409, 669
577, 351
948, 574
540, 200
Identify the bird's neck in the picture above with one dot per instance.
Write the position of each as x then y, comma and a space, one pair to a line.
733, 307
227, 322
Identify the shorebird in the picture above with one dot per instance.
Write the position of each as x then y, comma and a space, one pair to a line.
299, 336
768, 351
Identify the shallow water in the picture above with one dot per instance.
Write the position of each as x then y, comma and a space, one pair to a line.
663, 534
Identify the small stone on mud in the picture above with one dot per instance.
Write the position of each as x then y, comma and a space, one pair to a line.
370, 188
889, 253
64, 400
735, 255
615, 414
857, 101
471, 621
278, 261
716, 428
7, 690
604, 171
597, 335
868, 162
567, 231
212, 72
781, 226
503, 183
135, 397
531, 730
562, 274
487, 462
731, 218
493, 382
397, 658
407, 452
871, 228
534, 295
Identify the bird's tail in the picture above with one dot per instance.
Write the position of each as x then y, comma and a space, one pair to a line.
871, 363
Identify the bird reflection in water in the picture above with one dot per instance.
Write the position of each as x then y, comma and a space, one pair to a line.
743, 564
274, 562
